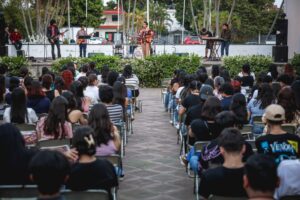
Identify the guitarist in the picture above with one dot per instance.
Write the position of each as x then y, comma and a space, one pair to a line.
53, 37
82, 42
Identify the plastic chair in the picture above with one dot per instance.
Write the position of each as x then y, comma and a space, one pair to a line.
123, 136
18, 191
246, 131
290, 128
63, 144
86, 195
26, 127
215, 197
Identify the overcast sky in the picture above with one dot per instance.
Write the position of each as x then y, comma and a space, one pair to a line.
278, 2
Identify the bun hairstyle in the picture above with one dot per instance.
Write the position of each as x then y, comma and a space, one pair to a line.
83, 141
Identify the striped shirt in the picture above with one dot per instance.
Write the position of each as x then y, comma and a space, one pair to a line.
134, 81
115, 112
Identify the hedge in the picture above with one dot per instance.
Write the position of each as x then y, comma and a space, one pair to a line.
150, 71
153, 69
257, 63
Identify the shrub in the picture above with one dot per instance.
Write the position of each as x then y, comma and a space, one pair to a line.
257, 63
296, 62
14, 64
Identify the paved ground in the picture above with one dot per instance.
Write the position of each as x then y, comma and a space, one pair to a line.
152, 167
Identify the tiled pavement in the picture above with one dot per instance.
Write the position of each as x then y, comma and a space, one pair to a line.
151, 163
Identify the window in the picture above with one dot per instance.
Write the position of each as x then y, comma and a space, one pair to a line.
114, 18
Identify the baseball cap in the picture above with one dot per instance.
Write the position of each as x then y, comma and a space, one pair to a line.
275, 112
206, 91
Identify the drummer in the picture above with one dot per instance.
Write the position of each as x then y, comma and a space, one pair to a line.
209, 44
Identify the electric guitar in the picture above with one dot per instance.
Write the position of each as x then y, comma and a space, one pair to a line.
80, 41
53, 39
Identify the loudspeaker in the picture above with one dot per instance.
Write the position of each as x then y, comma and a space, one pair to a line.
280, 53
2, 27
281, 32
3, 51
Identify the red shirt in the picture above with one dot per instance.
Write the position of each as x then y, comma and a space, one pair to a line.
15, 36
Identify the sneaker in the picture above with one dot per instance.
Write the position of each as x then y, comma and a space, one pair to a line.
177, 126
183, 160
121, 178
171, 122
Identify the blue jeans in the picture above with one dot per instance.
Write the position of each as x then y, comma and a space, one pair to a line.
82, 50
193, 158
166, 99
225, 46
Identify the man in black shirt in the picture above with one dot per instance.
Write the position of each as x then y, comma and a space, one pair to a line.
209, 44
278, 143
226, 180
260, 179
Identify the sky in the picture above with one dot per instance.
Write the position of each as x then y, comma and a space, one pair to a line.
278, 2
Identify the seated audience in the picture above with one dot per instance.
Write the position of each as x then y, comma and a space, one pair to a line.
131, 79
285, 80
216, 181
103, 76
92, 68
83, 71
239, 108
59, 85
115, 111
55, 125
288, 173
260, 179
106, 134
49, 170
112, 78
14, 82
3, 91
218, 81
82, 103
37, 99
257, 106
120, 94
14, 156
68, 77
75, 116
277, 143
247, 77
290, 71
18, 112
92, 90
47, 82
286, 99
215, 71
273, 72
90, 172
226, 91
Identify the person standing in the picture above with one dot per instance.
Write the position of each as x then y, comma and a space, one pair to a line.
82, 42
226, 35
209, 44
145, 36
15, 38
52, 35
6, 35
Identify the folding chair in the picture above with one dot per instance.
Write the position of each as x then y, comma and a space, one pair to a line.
137, 103
86, 195
215, 197
123, 136
198, 148
164, 87
257, 119
296, 197
18, 191
246, 131
29, 134
290, 128
59, 144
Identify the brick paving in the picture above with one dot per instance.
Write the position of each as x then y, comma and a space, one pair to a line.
151, 163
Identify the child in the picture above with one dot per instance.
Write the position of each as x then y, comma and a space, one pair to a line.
49, 170
90, 172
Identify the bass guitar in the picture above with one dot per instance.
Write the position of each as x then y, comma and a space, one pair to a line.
53, 39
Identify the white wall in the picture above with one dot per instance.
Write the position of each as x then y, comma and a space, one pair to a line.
293, 15
73, 50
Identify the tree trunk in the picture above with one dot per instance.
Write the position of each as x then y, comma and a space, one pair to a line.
217, 9
231, 12
133, 15
30, 19
128, 17
25, 20
205, 13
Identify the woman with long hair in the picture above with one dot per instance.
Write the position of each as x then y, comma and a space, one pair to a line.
2, 94
37, 99
106, 134
286, 98
92, 90
265, 97
273, 72
59, 85
47, 82
131, 79
239, 108
82, 102
210, 109
55, 125
104, 74
18, 112
120, 93
74, 114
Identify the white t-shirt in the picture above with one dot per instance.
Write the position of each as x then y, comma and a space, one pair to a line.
93, 93
177, 95
251, 74
134, 81
32, 117
80, 75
